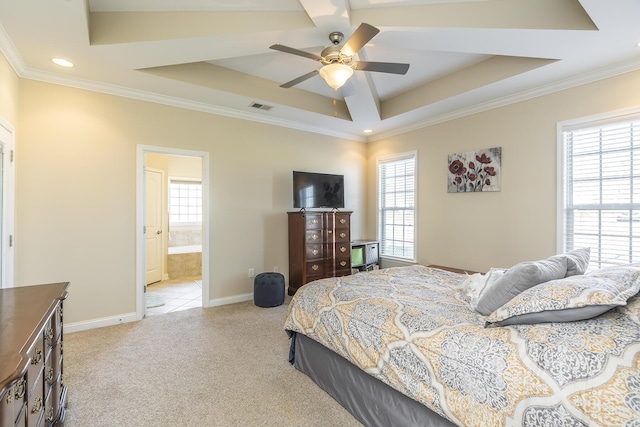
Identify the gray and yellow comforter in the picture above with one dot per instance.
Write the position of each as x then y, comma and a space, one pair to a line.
414, 329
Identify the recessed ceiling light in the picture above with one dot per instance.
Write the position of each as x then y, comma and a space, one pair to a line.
367, 131
62, 62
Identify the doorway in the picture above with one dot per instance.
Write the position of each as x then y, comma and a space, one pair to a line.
7, 204
172, 220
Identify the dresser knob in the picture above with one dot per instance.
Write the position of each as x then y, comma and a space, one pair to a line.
342, 220
315, 267
314, 237
48, 333
37, 358
343, 263
314, 221
343, 235
343, 249
20, 389
37, 405
315, 252
49, 374
50, 414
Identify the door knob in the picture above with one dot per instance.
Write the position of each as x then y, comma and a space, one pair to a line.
159, 232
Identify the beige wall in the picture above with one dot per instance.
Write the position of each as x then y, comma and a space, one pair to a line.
76, 196
479, 231
76, 191
9, 83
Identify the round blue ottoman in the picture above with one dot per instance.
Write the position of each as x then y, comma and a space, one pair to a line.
268, 289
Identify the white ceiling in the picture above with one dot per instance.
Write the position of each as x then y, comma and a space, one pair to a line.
214, 56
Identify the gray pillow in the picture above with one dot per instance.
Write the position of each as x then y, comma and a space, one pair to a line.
519, 278
572, 298
577, 261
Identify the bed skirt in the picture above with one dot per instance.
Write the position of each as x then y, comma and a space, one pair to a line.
371, 401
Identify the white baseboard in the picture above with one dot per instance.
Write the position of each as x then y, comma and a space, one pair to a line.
230, 300
99, 323
131, 317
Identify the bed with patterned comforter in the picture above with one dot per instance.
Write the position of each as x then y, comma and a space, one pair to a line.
414, 329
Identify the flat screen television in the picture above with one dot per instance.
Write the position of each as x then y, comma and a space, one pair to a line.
317, 190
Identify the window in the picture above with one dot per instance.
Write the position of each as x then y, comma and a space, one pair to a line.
185, 202
601, 207
397, 206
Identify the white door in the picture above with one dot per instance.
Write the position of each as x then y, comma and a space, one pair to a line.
153, 225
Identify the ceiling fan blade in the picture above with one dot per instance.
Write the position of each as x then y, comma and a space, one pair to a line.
299, 79
381, 67
359, 38
287, 49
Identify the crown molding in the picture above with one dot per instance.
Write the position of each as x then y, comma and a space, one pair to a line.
13, 57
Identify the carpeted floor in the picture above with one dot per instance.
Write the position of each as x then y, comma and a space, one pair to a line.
221, 366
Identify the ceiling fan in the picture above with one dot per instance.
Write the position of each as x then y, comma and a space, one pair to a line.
337, 61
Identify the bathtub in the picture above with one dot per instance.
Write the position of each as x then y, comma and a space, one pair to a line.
173, 250
184, 261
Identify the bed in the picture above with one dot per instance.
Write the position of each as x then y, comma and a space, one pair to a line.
404, 346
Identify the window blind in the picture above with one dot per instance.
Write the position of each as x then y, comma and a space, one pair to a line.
602, 191
396, 206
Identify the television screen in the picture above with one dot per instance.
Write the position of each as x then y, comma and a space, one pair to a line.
317, 190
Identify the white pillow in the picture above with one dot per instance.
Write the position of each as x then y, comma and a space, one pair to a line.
477, 284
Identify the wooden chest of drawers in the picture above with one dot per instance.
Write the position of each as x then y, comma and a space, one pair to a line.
32, 392
319, 246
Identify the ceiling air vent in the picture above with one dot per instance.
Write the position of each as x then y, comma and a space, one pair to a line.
260, 106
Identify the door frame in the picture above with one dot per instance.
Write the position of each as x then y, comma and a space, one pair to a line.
8, 205
141, 258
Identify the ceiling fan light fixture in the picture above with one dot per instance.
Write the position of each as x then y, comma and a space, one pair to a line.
336, 74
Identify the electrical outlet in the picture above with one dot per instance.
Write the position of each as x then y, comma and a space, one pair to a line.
251, 272
275, 269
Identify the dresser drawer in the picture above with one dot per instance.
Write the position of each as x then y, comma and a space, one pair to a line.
342, 236
342, 220
314, 236
314, 251
36, 355
13, 401
343, 249
315, 268
313, 221
35, 405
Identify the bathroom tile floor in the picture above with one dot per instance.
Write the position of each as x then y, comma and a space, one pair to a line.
175, 294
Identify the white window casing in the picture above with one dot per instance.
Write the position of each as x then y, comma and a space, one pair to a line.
397, 202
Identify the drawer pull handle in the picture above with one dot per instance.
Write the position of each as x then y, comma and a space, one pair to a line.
50, 414
343, 235
49, 374
315, 267
20, 389
314, 221
48, 333
60, 310
314, 236
37, 405
343, 249
342, 220
343, 263
37, 358
315, 252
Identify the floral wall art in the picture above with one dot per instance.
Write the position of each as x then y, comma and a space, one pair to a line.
475, 171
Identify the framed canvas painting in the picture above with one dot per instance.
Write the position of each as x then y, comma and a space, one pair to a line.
475, 171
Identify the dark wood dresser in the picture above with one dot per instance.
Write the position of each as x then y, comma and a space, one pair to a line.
319, 246
32, 392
